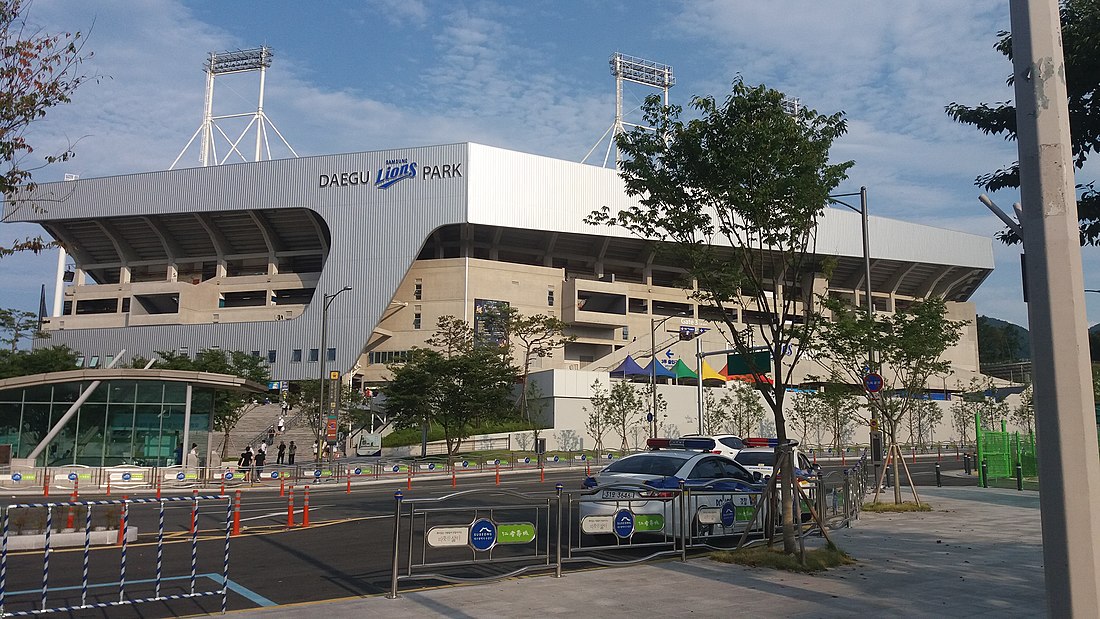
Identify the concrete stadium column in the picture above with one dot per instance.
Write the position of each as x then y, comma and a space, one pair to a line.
59, 283
1069, 469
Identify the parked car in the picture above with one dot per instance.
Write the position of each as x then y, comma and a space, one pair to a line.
725, 444
761, 460
645, 486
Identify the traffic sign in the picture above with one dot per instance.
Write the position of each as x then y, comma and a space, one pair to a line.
125, 477
624, 523
72, 476
180, 476
16, 477
873, 382
483, 534
274, 474
729, 514
334, 375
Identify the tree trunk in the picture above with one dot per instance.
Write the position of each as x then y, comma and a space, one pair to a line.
894, 462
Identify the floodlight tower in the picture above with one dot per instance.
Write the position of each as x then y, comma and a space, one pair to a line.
226, 63
638, 71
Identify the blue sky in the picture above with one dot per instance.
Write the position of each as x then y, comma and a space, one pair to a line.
533, 76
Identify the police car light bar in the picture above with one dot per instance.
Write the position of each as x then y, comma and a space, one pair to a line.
762, 442
694, 444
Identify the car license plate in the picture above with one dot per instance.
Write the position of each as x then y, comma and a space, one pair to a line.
617, 494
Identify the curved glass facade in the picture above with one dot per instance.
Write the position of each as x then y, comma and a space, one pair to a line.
123, 422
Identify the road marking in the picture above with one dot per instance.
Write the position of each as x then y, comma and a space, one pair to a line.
239, 589
275, 514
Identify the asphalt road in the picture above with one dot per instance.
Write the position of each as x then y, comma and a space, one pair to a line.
346, 551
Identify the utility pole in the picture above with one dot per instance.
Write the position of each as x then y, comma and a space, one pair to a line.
1064, 409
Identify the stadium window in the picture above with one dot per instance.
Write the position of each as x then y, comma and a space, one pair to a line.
296, 355
418, 289
271, 356
416, 320
255, 353
626, 333
314, 355
331, 356
550, 297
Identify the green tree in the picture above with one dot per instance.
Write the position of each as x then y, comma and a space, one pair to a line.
37, 361
736, 194
455, 393
229, 407
618, 409
923, 418
1023, 414
807, 417
538, 336
352, 410
38, 71
1081, 48
15, 325
745, 412
910, 345
997, 343
596, 424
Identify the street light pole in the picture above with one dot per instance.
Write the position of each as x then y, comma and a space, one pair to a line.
876, 454
322, 403
653, 324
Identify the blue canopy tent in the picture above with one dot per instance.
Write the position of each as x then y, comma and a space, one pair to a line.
629, 367
662, 371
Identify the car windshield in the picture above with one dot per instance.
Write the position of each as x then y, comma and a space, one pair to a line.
756, 458
648, 465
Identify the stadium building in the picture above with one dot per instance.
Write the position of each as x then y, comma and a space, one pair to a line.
245, 256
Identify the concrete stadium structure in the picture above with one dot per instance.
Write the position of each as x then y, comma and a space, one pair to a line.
240, 256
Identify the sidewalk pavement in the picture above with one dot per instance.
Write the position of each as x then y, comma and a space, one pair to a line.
977, 554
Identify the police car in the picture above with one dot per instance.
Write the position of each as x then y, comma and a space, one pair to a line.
759, 457
645, 486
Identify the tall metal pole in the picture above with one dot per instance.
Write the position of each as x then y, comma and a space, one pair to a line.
1064, 409
653, 377
699, 381
322, 404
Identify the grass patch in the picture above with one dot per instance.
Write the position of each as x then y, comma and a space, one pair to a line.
817, 559
894, 508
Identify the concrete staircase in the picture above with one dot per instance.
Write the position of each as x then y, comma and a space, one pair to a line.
253, 427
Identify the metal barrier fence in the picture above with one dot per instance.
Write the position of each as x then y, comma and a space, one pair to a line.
123, 541
612, 525
443, 533
226, 475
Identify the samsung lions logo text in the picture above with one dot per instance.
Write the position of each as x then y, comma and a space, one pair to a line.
395, 170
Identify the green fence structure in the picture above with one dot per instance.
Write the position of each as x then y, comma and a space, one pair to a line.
1001, 451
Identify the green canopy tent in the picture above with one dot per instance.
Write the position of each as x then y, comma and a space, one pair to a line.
683, 372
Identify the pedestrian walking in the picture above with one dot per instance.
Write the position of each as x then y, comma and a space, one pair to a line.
279, 458
282, 426
244, 463
271, 435
261, 457
290, 453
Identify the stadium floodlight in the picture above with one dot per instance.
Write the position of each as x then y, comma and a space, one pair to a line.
641, 71
224, 63
239, 61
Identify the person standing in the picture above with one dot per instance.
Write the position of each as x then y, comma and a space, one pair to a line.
193, 456
290, 453
282, 453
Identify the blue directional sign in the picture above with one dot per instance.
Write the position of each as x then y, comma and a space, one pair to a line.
431, 466
873, 382
72, 476
624, 523
180, 476
396, 468
554, 459
527, 461
316, 472
729, 514
125, 477
16, 477
358, 471
483, 534
274, 474
228, 475
465, 463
